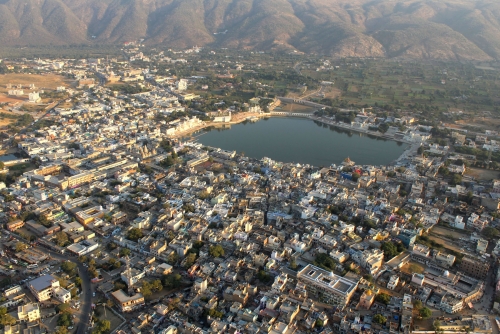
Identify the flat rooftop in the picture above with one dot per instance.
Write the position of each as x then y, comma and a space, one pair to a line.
327, 279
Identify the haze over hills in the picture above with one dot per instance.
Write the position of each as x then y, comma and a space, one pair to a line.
420, 29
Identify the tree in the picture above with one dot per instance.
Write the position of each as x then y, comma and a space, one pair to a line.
124, 252
216, 251
355, 176
20, 246
63, 308
379, 319
417, 304
172, 280
134, 234
425, 313
6, 318
189, 260
146, 289
264, 277
68, 267
490, 232
78, 281
383, 298
368, 277
64, 320
390, 250
293, 263
102, 327
61, 239
156, 285
173, 258
61, 330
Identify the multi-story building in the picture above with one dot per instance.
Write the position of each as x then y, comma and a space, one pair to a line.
29, 312
46, 287
326, 286
127, 303
475, 267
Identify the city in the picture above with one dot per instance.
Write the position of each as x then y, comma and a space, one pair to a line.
116, 219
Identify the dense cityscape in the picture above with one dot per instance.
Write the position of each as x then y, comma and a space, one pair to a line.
117, 220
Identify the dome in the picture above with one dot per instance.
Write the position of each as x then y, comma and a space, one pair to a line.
446, 273
369, 292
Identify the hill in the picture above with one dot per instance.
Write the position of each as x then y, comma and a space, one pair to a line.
420, 29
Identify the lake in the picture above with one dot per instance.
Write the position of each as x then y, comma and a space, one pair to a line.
300, 140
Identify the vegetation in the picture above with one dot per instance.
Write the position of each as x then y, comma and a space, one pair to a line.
379, 319
425, 313
392, 249
216, 251
134, 234
383, 298
6, 318
69, 267
102, 327
324, 261
264, 277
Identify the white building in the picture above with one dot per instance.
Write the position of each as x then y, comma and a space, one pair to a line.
393, 282
45, 287
34, 97
29, 312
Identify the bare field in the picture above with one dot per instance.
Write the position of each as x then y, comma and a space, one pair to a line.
293, 107
449, 233
41, 81
482, 174
4, 121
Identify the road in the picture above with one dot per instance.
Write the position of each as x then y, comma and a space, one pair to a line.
86, 294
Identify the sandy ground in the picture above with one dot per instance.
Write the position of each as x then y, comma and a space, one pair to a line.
482, 174
47, 81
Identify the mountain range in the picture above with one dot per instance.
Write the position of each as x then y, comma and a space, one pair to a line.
418, 29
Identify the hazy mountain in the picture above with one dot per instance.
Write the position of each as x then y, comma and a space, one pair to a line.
442, 29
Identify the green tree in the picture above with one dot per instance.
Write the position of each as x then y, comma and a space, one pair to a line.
134, 234
157, 285
69, 267
173, 258
383, 298
64, 320
264, 277
61, 238
124, 252
417, 304
293, 263
6, 318
63, 308
78, 281
172, 281
425, 313
146, 289
490, 232
216, 251
20, 246
102, 327
379, 319
391, 250
189, 260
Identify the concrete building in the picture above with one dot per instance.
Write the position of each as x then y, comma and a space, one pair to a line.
326, 286
45, 287
474, 267
29, 312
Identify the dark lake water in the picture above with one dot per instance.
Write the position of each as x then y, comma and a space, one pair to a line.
303, 141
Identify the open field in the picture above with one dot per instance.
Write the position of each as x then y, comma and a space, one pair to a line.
4, 121
294, 107
41, 81
449, 232
482, 174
